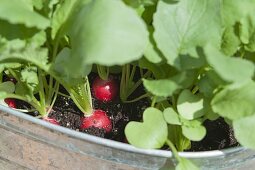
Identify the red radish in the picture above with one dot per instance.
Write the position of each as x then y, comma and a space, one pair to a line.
105, 90
98, 119
10, 102
51, 120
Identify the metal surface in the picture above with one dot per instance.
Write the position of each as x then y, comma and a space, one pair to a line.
34, 144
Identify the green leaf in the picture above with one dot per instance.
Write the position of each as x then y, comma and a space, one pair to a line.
235, 70
23, 90
36, 56
11, 45
206, 86
249, 56
235, 103
151, 52
19, 12
163, 87
241, 13
133, 3
190, 106
175, 135
234, 10
49, 7
193, 59
154, 68
151, 133
14, 31
30, 78
185, 78
60, 16
160, 71
185, 26
107, 32
196, 133
247, 32
166, 87
6, 65
209, 83
243, 129
81, 94
191, 123
136, 3
185, 164
171, 116
37, 40
230, 41
7, 87
67, 70
38, 4
209, 113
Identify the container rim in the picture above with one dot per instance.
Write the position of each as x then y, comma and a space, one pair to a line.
115, 144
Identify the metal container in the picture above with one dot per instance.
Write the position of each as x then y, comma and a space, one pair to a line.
29, 143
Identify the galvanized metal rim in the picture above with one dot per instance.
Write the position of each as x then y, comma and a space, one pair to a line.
119, 145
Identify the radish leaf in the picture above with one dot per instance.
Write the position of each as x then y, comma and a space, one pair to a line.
151, 133
107, 32
185, 26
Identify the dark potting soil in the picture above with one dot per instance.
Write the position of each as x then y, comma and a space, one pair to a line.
219, 134
68, 115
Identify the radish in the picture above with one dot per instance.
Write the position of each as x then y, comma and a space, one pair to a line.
81, 95
105, 90
48, 119
98, 119
10, 102
51, 120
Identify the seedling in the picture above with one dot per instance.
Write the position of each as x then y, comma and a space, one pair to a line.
30, 82
81, 95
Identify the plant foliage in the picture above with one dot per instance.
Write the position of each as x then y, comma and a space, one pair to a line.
198, 56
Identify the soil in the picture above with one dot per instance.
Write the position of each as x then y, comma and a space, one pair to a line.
68, 115
219, 134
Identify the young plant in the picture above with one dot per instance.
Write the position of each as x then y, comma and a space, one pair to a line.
81, 95
33, 87
75, 63
154, 129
